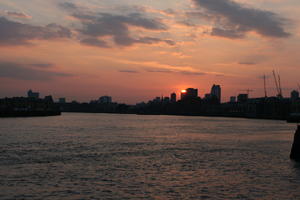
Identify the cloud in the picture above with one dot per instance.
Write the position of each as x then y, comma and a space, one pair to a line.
42, 65
188, 73
17, 15
228, 33
92, 41
159, 70
128, 71
117, 26
252, 59
97, 26
234, 20
152, 40
68, 6
193, 73
247, 63
22, 72
183, 72
15, 33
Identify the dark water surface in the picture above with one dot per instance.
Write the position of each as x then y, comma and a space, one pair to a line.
103, 156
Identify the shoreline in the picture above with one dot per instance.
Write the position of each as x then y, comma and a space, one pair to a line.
58, 113
25, 114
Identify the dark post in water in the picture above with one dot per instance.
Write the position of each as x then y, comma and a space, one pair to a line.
295, 152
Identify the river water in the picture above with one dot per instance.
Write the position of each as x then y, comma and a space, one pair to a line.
108, 156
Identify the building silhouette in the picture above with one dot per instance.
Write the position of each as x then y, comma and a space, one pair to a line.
216, 92
173, 97
62, 100
32, 94
105, 99
49, 98
189, 93
232, 99
242, 98
166, 100
294, 95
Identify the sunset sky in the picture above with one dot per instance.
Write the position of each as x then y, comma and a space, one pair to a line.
134, 50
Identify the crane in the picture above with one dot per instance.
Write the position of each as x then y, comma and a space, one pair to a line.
280, 88
265, 85
277, 84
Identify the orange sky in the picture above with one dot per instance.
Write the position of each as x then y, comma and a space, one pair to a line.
140, 49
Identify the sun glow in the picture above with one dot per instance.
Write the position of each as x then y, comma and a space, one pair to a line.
183, 91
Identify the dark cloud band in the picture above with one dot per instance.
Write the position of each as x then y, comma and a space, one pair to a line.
234, 20
24, 72
15, 33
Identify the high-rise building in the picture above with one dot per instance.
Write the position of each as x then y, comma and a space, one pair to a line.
216, 92
173, 97
189, 93
32, 94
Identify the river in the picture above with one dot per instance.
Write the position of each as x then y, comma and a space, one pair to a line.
112, 156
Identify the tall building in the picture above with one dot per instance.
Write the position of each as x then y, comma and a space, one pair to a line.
189, 93
216, 92
173, 97
105, 99
32, 94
